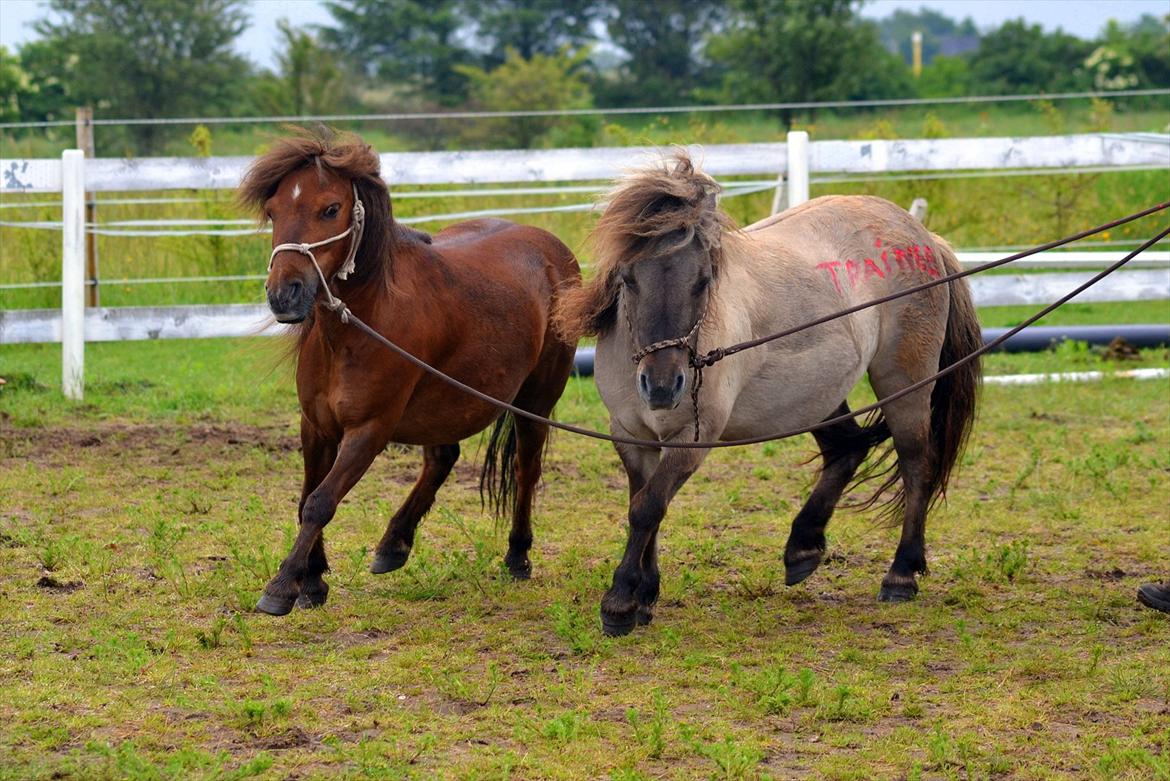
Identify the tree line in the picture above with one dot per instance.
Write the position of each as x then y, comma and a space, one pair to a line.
176, 58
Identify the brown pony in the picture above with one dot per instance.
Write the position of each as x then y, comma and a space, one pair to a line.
675, 278
475, 301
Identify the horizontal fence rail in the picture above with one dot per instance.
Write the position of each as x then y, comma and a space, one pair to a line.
573, 165
112, 324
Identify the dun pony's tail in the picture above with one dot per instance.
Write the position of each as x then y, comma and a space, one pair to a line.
498, 478
952, 403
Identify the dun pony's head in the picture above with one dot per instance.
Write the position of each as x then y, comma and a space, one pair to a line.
307, 186
658, 249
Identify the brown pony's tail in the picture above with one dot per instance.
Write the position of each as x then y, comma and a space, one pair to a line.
952, 402
498, 478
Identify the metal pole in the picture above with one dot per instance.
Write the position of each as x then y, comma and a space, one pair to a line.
73, 273
85, 144
797, 167
916, 45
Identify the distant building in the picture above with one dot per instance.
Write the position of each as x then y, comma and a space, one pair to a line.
954, 45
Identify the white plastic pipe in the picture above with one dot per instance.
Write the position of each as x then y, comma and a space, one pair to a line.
73, 273
798, 165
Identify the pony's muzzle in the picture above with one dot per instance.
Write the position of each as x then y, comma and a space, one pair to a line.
291, 299
662, 379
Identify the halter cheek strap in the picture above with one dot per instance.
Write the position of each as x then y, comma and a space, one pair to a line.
356, 228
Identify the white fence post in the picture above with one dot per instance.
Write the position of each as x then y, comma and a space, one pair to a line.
797, 167
73, 273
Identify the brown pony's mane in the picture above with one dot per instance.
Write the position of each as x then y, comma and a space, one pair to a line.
643, 209
350, 158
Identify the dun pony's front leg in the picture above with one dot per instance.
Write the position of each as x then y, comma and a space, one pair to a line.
357, 451
637, 574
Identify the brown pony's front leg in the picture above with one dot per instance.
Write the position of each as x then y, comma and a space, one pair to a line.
620, 605
319, 454
357, 451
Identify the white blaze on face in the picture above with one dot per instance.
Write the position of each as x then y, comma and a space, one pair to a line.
296, 191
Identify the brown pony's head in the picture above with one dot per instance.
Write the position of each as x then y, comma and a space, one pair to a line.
658, 249
306, 187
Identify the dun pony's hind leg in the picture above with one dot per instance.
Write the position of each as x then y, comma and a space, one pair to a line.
619, 606
842, 452
909, 422
639, 464
356, 452
394, 548
319, 454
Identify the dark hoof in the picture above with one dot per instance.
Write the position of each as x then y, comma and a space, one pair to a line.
644, 615
519, 571
897, 592
799, 570
316, 597
275, 606
616, 625
388, 562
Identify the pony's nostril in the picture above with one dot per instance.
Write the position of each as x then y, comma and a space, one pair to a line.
294, 289
644, 382
678, 383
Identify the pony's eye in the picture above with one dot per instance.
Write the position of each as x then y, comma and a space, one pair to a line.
331, 211
629, 281
702, 284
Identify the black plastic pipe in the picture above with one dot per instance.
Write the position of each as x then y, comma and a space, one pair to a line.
1034, 339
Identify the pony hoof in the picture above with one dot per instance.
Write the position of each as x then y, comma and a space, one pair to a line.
275, 606
897, 592
388, 562
798, 570
643, 616
519, 571
315, 598
618, 624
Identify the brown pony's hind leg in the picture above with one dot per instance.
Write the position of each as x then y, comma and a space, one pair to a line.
394, 548
539, 394
843, 447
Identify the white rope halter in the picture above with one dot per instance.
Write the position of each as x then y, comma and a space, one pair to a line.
356, 227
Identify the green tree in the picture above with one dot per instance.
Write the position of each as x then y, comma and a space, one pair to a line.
663, 44
412, 43
544, 82
15, 85
1021, 58
307, 81
797, 51
531, 27
150, 58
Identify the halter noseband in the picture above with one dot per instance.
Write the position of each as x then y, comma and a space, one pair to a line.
690, 343
356, 228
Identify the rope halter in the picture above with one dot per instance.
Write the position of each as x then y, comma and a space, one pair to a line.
356, 228
690, 343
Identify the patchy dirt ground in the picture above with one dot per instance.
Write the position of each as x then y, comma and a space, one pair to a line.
134, 551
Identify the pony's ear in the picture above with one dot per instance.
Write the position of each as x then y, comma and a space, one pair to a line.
586, 310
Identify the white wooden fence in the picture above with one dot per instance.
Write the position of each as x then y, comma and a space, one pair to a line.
72, 176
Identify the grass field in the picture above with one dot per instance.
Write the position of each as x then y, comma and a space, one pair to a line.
138, 529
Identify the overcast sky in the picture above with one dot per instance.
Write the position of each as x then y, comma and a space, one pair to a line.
1084, 18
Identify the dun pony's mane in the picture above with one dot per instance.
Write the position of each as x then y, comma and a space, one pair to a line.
646, 206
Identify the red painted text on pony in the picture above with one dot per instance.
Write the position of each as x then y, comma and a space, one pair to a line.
915, 257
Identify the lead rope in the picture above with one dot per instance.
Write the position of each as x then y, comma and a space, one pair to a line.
659, 444
357, 227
